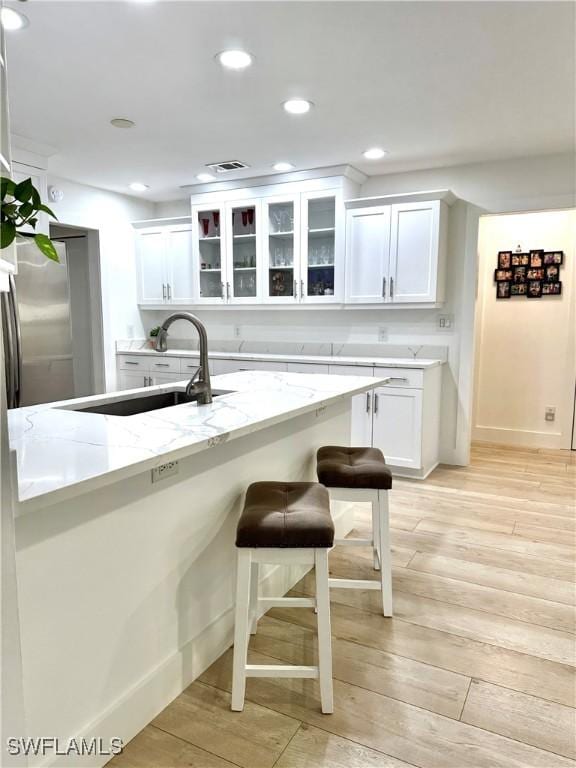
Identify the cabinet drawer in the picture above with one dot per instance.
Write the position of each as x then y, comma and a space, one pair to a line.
402, 377
164, 364
132, 363
189, 364
261, 365
307, 368
351, 370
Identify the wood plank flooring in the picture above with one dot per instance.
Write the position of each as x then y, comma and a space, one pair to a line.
475, 670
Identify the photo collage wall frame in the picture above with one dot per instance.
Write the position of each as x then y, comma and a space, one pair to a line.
533, 274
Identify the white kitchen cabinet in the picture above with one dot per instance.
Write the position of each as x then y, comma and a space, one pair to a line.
165, 266
308, 368
209, 263
243, 252
281, 249
416, 253
397, 425
321, 258
156, 378
129, 380
367, 254
361, 417
395, 254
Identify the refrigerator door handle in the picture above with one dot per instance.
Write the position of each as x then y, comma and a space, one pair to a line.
8, 350
17, 341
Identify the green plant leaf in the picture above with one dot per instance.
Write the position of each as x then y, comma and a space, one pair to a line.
26, 209
7, 187
47, 247
7, 234
36, 198
24, 190
32, 222
47, 210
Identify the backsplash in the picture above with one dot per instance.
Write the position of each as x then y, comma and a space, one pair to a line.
330, 349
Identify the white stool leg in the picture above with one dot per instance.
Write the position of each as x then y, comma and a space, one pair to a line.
376, 533
324, 631
254, 584
241, 629
385, 553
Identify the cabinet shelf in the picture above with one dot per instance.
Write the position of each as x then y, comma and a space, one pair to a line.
282, 234
216, 269
213, 239
320, 266
244, 269
243, 237
284, 266
318, 232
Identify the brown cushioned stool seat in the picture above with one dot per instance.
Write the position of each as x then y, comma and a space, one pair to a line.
286, 515
342, 467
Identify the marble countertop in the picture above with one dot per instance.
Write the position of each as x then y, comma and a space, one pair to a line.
384, 362
62, 453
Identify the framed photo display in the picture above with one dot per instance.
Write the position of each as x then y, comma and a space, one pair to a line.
531, 274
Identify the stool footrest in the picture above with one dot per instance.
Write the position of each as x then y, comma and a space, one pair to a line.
354, 584
354, 542
287, 602
280, 670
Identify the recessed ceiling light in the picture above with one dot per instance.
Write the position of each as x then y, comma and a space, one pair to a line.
122, 122
374, 153
12, 20
137, 186
205, 177
282, 166
297, 106
235, 59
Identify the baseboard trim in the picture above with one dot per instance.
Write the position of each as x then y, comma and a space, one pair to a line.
415, 474
521, 437
141, 703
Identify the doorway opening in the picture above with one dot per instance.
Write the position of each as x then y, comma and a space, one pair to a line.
525, 361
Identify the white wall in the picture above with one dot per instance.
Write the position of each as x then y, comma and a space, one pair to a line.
111, 214
525, 347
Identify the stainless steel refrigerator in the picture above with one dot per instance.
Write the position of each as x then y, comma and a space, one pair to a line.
36, 322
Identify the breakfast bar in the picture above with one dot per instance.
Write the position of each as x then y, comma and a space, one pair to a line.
125, 535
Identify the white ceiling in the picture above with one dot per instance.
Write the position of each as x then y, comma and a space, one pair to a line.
435, 83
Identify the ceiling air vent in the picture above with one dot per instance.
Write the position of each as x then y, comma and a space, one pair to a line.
228, 165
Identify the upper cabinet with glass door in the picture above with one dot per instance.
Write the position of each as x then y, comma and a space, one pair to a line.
281, 244
321, 259
243, 263
208, 249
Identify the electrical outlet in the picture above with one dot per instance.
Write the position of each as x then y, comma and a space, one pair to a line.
164, 470
445, 322
550, 413
237, 332
382, 333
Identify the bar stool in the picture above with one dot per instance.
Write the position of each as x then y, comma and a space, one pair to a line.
361, 475
282, 523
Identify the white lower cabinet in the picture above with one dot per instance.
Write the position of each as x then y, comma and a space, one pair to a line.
397, 425
401, 418
128, 380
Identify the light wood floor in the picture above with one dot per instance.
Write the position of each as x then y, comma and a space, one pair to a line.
474, 670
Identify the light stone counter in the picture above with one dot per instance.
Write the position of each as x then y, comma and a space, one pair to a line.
61, 452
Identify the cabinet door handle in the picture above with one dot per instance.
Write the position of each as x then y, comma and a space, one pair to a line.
163, 291
295, 290
367, 402
129, 362
375, 403
391, 287
301, 289
169, 291
398, 378
145, 381
162, 365
222, 288
383, 287
228, 291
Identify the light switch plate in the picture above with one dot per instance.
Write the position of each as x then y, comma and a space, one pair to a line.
550, 413
164, 470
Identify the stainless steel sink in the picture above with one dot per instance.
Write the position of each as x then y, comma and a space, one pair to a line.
130, 406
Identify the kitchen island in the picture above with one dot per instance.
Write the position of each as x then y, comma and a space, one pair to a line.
125, 538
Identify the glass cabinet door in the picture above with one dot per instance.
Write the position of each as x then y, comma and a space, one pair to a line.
319, 271
209, 250
242, 280
281, 247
